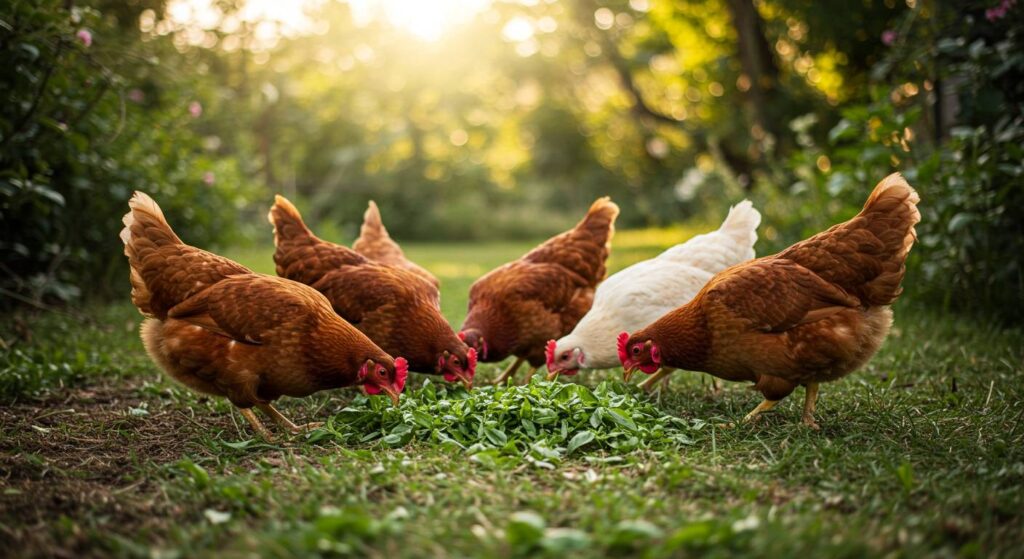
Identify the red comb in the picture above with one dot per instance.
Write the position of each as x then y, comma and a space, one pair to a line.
623, 355
549, 353
471, 358
462, 336
401, 373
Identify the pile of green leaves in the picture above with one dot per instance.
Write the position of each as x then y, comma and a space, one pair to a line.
542, 422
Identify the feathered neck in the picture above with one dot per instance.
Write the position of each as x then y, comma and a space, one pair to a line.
683, 338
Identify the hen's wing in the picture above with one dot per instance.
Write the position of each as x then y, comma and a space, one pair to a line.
358, 291
249, 308
773, 295
551, 285
174, 274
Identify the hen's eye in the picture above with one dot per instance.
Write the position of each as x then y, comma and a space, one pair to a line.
636, 350
455, 360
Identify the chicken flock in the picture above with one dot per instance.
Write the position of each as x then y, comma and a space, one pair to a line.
365, 316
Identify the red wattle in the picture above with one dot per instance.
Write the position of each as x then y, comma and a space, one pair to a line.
649, 368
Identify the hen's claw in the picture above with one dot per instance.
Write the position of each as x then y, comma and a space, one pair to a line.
285, 423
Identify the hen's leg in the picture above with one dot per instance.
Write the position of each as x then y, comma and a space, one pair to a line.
511, 370
529, 374
257, 425
284, 422
648, 385
762, 407
716, 386
810, 400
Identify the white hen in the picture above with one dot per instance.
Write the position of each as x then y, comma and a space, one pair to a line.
645, 291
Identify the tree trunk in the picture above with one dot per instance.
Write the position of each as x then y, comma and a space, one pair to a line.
757, 61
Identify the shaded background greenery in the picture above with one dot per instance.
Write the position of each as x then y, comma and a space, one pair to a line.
507, 124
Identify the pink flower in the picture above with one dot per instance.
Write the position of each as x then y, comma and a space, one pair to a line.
136, 95
85, 37
888, 37
195, 109
999, 12
208, 178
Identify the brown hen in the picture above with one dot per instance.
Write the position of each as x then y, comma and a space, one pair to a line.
220, 329
810, 314
516, 308
396, 307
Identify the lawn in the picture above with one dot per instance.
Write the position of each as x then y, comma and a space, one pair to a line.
921, 453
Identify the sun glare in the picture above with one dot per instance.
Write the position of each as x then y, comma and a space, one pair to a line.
426, 19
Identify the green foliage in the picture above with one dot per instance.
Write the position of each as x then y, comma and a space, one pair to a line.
542, 423
955, 130
64, 350
81, 127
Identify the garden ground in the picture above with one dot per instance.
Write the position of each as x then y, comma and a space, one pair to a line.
920, 454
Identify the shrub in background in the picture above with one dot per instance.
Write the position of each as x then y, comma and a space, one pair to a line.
87, 117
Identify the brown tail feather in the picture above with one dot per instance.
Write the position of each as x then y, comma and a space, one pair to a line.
373, 226
145, 231
600, 220
374, 241
287, 221
866, 255
164, 270
584, 248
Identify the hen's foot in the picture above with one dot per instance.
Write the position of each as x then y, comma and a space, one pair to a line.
755, 414
307, 427
256, 424
285, 423
511, 370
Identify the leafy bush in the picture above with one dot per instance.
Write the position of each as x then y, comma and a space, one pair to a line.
970, 175
87, 117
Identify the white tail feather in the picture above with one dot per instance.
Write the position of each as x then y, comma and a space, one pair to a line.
741, 223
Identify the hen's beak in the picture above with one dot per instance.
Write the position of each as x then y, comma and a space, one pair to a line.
465, 379
552, 375
393, 394
627, 373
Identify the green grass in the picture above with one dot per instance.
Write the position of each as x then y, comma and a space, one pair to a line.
921, 453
